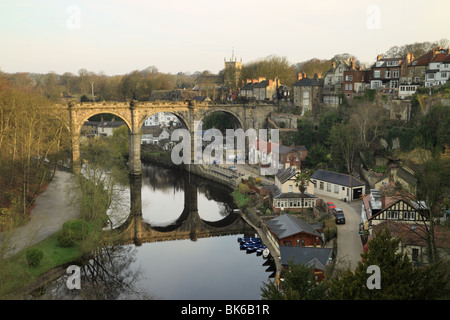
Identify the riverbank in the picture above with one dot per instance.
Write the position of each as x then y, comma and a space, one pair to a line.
54, 206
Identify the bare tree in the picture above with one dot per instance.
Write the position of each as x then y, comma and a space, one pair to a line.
367, 119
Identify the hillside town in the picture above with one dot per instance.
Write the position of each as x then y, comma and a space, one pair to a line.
362, 149
381, 187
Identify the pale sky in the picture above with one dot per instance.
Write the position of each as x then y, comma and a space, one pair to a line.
120, 36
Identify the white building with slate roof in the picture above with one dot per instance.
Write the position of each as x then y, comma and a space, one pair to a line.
337, 185
285, 195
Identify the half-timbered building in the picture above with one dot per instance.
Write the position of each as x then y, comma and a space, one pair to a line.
413, 239
378, 207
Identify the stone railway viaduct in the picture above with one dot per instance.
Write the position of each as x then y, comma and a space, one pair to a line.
189, 225
133, 113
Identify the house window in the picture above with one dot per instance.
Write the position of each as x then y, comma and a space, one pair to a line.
336, 188
329, 187
376, 74
443, 74
392, 214
395, 73
387, 74
321, 186
394, 84
409, 215
392, 63
415, 254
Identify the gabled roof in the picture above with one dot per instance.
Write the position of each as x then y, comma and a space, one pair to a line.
248, 86
336, 178
406, 176
309, 256
442, 57
423, 60
307, 82
285, 174
378, 201
287, 225
414, 234
285, 149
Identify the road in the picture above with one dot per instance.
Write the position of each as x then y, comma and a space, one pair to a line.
348, 240
53, 207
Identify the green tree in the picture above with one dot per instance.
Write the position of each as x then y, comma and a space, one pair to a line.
434, 128
399, 280
343, 142
299, 284
305, 133
270, 67
301, 182
433, 188
318, 157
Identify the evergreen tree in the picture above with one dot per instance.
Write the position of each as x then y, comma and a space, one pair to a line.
399, 280
299, 284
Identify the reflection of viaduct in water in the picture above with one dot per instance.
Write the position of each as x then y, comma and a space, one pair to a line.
188, 226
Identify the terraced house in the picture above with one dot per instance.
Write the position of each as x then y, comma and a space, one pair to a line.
307, 92
386, 73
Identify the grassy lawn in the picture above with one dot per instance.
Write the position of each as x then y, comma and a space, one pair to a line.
15, 273
240, 199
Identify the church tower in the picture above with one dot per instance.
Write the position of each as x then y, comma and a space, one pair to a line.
233, 70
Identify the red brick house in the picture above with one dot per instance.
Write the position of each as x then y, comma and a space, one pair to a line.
355, 82
291, 231
292, 156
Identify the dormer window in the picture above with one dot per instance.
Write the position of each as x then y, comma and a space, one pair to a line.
392, 63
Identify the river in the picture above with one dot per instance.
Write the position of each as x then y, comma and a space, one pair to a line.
182, 245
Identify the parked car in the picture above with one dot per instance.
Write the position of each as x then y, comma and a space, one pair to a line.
336, 211
340, 218
330, 206
232, 168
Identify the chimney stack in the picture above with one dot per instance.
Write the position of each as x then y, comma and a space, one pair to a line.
299, 76
379, 57
408, 58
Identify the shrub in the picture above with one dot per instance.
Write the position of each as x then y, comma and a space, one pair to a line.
34, 257
72, 231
